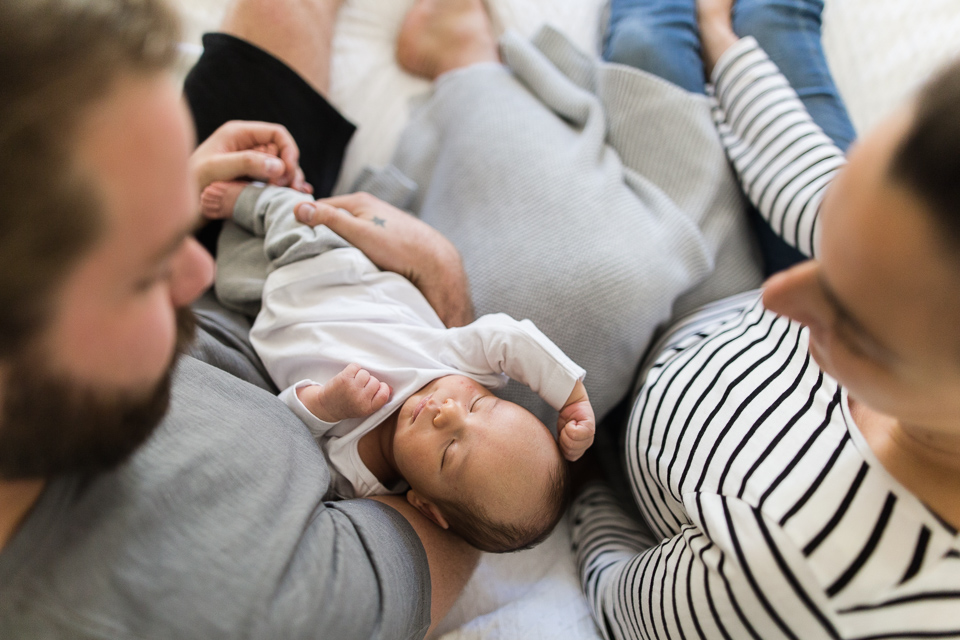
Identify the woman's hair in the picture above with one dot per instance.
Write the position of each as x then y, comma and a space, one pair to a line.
57, 58
473, 524
927, 160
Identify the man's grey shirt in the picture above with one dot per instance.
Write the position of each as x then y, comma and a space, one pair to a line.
216, 528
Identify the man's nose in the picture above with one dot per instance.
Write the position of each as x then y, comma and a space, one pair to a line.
192, 273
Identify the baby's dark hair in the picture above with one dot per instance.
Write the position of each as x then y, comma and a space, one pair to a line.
471, 522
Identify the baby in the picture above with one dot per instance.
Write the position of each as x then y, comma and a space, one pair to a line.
419, 414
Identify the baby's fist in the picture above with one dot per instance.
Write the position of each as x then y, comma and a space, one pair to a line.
352, 393
576, 425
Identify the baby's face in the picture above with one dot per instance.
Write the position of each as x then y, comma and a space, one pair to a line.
455, 440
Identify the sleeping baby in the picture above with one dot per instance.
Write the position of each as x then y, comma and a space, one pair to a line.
399, 402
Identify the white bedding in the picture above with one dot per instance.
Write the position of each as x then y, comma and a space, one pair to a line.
879, 50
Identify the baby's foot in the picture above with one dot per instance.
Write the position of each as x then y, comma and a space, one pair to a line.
442, 35
218, 200
352, 393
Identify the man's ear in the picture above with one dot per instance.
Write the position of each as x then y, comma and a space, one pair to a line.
427, 508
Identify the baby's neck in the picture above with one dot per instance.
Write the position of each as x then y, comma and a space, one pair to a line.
376, 451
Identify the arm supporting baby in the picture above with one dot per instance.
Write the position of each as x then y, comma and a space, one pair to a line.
396, 241
392, 239
416, 250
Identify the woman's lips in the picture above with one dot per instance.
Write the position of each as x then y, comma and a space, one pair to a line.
420, 406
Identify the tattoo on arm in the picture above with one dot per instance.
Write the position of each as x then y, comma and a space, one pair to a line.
380, 222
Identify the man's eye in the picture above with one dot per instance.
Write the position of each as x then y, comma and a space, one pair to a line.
145, 284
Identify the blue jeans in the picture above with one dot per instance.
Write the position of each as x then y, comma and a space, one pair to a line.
662, 37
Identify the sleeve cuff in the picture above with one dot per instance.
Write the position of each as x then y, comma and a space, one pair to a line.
290, 398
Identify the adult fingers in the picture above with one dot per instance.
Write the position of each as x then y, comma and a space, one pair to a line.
357, 231
240, 164
300, 183
242, 135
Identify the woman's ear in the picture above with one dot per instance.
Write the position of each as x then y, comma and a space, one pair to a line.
427, 508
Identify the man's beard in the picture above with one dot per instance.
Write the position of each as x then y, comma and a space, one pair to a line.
51, 424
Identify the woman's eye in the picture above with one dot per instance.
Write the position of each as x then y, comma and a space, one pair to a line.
473, 405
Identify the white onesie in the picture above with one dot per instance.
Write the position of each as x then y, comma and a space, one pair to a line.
321, 313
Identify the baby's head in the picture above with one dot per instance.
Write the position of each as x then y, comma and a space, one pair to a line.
484, 467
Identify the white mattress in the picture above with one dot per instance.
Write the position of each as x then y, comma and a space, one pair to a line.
879, 51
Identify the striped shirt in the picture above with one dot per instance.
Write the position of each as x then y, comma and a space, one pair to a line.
766, 514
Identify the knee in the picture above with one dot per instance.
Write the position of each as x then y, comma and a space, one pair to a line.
635, 43
768, 17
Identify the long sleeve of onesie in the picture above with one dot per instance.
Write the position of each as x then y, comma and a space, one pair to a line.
498, 344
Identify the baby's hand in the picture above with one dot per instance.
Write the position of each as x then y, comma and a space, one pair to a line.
576, 424
352, 393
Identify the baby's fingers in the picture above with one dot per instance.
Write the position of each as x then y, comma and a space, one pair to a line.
381, 396
371, 391
575, 439
579, 431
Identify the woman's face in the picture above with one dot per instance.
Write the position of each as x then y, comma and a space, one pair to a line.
881, 302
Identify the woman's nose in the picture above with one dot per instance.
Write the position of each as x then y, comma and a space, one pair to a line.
796, 293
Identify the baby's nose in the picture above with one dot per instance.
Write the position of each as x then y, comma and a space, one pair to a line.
444, 411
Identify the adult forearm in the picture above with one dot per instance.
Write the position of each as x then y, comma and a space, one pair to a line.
396, 241
447, 289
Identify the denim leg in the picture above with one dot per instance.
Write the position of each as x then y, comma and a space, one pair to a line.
657, 36
789, 31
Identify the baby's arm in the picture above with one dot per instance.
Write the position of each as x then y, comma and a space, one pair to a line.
352, 393
576, 424
496, 343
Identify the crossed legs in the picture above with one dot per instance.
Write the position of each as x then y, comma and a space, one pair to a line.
662, 37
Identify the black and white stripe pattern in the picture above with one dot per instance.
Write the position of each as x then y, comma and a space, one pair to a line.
783, 159
766, 514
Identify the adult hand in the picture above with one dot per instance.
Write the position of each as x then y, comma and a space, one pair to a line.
250, 150
396, 241
716, 30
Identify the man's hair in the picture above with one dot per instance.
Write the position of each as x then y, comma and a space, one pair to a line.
927, 160
473, 524
57, 58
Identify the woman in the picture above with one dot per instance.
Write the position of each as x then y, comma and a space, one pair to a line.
796, 457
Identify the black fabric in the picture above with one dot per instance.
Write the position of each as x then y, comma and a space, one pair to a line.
235, 80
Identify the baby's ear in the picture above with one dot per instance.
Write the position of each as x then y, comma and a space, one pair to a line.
427, 508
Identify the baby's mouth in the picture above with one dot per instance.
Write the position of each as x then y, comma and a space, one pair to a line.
420, 406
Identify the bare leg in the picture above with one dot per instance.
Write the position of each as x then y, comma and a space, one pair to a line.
442, 35
299, 32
